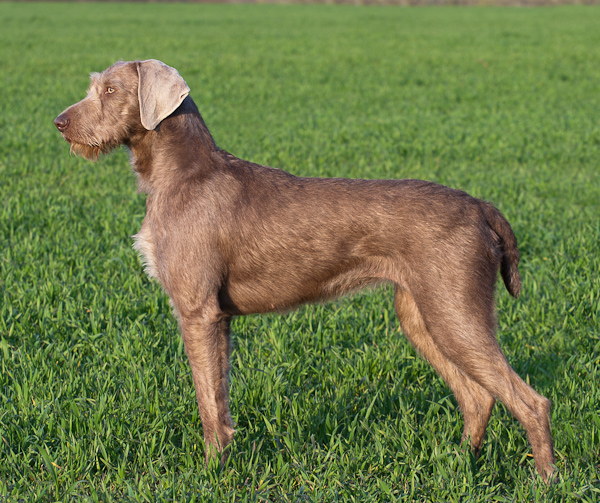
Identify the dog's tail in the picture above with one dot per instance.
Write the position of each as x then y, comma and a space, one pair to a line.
510, 253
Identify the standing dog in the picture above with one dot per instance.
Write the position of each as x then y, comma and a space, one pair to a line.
227, 237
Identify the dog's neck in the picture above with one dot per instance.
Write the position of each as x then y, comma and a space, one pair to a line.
159, 157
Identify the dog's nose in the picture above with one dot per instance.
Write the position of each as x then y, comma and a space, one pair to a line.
61, 122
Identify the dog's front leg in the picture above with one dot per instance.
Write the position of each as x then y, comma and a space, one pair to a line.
207, 344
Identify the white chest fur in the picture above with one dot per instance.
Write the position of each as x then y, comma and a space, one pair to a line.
144, 244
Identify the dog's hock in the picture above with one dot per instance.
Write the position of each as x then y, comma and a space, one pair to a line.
160, 92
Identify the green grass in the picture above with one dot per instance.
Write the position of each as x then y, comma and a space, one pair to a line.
331, 403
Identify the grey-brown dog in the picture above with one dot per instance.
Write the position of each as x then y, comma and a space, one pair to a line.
227, 237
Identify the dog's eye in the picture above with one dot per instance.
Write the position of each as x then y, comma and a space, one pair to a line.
110, 90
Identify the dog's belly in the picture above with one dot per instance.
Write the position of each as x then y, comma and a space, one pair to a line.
288, 288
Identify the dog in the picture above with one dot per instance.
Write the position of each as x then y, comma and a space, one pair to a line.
227, 237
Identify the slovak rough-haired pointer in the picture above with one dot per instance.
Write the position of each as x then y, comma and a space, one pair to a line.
227, 237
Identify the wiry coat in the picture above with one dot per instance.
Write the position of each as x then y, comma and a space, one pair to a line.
228, 237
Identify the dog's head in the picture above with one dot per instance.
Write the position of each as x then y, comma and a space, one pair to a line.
123, 101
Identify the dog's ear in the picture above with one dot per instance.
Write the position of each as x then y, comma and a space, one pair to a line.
160, 92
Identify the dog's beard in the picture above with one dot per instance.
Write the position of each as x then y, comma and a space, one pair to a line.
91, 151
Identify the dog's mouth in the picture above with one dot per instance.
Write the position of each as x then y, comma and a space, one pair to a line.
90, 151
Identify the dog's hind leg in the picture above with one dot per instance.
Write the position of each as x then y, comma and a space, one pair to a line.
462, 334
474, 401
207, 344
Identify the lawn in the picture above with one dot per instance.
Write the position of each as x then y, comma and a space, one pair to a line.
331, 403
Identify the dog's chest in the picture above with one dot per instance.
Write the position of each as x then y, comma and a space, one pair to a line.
144, 244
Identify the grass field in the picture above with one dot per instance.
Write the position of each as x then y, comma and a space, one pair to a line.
331, 403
